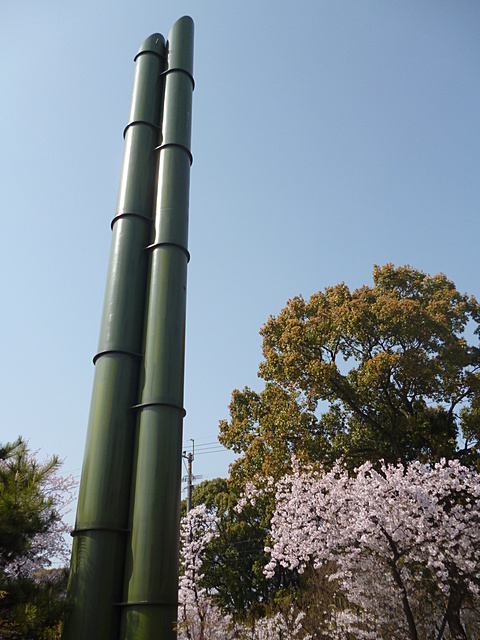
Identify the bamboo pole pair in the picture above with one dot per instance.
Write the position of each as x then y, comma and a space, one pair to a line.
124, 570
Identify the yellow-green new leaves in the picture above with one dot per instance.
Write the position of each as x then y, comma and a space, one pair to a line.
269, 427
391, 364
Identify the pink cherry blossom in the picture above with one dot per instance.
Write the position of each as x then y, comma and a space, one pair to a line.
405, 544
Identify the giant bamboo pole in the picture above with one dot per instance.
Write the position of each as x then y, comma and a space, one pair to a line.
151, 577
101, 529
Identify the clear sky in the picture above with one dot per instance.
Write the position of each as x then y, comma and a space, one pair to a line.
327, 136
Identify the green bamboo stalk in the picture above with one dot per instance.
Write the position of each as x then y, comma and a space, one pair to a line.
101, 529
151, 577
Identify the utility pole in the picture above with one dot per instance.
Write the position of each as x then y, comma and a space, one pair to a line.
189, 478
190, 459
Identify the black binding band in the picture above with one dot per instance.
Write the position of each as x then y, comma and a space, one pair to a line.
176, 145
180, 70
149, 124
142, 603
79, 530
170, 405
125, 352
142, 217
155, 245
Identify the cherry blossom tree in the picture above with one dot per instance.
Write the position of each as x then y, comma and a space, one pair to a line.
404, 543
279, 627
199, 617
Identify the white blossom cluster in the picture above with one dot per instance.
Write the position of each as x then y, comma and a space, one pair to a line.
199, 618
404, 542
400, 546
278, 627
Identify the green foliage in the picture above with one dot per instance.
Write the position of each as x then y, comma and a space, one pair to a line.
380, 372
234, 561
25, 510
33, 607
31, 597
389, 371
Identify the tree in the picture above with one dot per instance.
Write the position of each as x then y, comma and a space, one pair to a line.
383, 372
32, 534
234, 558
404, 541
199, 617
387, 372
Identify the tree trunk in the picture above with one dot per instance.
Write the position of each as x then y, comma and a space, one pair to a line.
453, 613
412, 627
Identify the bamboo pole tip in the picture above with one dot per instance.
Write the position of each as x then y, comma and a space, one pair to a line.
153, 44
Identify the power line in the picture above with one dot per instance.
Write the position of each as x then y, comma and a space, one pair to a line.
208, 447
206, 444
219, 450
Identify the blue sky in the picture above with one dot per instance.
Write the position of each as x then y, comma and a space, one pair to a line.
327, 136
